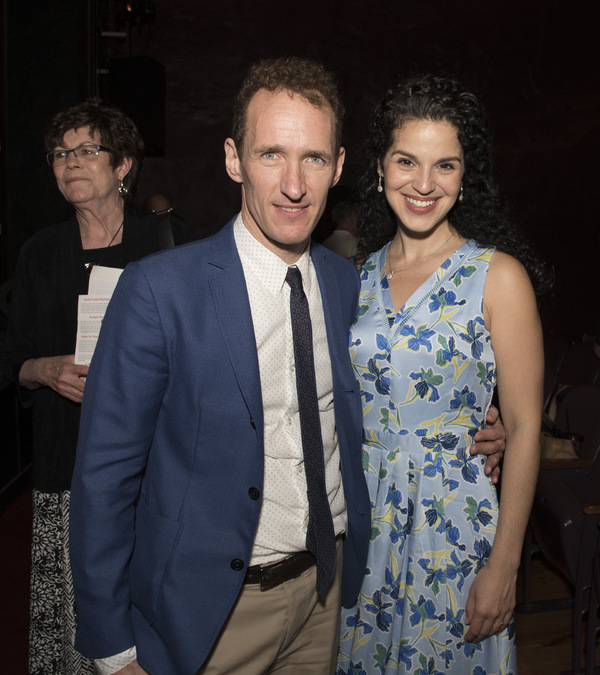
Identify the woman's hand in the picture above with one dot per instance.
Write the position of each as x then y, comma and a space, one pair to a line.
491, 602
57, 372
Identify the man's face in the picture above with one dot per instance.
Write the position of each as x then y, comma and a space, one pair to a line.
286, 168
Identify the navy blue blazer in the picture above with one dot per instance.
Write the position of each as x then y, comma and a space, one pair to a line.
168, 479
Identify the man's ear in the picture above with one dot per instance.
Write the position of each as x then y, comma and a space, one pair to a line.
232, 161
339, 165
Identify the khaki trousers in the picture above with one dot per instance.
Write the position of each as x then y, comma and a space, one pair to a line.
286, 630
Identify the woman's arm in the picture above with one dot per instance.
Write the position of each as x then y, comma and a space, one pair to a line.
512, 318
36, 325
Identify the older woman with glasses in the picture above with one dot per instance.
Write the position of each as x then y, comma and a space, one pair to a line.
96, 154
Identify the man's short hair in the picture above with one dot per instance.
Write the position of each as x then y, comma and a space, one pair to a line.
307, 78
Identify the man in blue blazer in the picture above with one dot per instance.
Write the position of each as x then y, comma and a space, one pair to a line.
176, 461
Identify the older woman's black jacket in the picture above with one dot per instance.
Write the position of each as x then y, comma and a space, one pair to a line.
50, 275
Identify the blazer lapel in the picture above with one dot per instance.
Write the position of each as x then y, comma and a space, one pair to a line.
228, 288
337, 337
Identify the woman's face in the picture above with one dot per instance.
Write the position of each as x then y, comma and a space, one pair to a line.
89, 183
422, 172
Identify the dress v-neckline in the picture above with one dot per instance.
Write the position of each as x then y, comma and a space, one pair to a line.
394, 320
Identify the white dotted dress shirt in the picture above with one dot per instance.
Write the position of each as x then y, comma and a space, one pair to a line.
284, 515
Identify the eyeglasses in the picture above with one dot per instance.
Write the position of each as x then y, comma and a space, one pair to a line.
88, 152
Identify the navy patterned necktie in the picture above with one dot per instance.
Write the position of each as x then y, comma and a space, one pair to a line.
320, 537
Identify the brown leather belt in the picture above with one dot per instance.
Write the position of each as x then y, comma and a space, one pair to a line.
272, 574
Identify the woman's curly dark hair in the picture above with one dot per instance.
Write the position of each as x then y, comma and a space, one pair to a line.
116, 131
481, 215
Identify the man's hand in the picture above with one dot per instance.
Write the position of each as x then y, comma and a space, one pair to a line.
57, 372
133, 668
491, 441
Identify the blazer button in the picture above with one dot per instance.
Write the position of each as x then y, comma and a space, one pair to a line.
237, 565
252, 423
254, 493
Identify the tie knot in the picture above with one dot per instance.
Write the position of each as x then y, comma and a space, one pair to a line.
294, 277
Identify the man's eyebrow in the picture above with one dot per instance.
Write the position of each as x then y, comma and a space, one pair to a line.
279, 149
267, 148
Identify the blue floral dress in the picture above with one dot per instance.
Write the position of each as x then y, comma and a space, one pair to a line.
427, 376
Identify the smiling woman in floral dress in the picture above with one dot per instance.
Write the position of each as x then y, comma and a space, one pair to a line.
445, 316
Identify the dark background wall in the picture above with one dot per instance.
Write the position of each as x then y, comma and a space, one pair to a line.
533, 62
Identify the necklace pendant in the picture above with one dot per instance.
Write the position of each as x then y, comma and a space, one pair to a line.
390, 275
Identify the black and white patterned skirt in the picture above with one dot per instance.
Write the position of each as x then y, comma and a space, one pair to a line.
52, 607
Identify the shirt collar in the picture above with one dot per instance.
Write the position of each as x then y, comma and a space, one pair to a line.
266, 265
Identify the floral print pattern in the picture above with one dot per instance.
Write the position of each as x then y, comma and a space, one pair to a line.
427, 376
